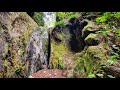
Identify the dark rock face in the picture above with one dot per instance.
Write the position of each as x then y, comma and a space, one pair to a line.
31, 14
71, 34
76, 41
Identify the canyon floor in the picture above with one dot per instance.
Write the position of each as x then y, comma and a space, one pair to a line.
56, 73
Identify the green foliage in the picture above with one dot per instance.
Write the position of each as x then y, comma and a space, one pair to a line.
61, 64
108, 18
112, 60
63, 16
110, 76
109, 21
115, 47
38, 16
104, 18
17, 70
118, 32
117, 50
103, 32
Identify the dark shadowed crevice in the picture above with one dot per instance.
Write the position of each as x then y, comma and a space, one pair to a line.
49, 50
77, 41
74, 28
31, 14
54, 33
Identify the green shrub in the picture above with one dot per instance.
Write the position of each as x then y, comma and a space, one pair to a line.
38, 16
109, 19
63, 16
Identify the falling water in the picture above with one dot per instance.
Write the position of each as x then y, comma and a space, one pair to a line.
37, 49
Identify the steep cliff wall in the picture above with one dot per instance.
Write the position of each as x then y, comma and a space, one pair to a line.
15, 31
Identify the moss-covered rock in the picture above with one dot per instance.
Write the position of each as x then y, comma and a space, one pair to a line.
89, 61
97, 52
86, 66
16, 29
64, 39
93, 39
57, 52
91, 27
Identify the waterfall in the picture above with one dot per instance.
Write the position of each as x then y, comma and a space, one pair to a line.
37, 48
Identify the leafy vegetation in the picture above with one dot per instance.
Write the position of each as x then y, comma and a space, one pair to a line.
38, 16
109, 24
109, 21
62, 17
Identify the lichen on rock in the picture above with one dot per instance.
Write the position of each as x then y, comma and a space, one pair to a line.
16, 28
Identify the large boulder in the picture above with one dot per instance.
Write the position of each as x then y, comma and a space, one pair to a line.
66, 38
16, 29
91, 27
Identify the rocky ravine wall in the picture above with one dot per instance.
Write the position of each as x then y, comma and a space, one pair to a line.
79, 38
15, 31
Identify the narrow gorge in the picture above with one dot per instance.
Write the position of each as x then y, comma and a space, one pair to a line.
59, 45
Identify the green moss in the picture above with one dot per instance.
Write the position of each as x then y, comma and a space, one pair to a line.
89, 61
63, 16
56, 60
92, 39
38, 17
97, 52
14, 48
89, 28
92, 35
13, 70
86, 66
26, 35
